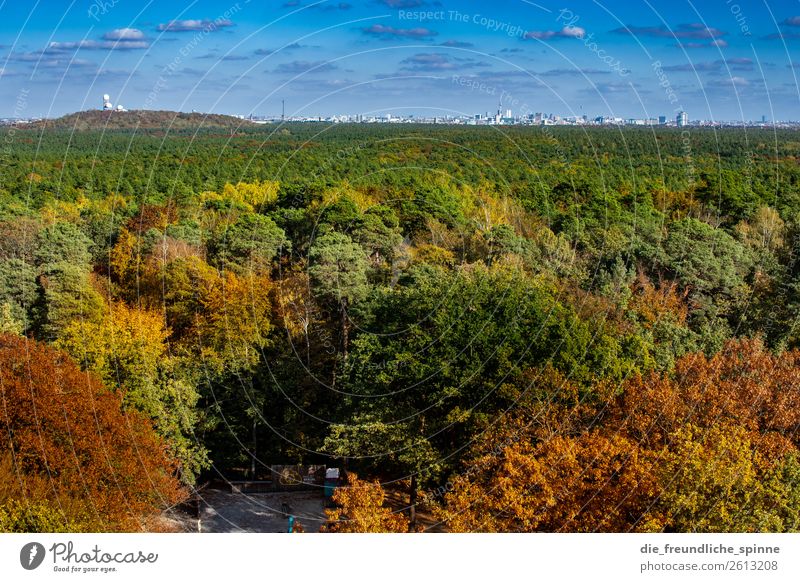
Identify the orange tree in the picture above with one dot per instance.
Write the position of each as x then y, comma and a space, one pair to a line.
64, 425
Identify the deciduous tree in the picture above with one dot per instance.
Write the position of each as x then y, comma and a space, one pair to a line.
61, 422
361, 509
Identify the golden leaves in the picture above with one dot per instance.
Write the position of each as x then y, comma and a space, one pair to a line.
361, 509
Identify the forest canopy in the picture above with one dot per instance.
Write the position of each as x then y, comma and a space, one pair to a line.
533, 329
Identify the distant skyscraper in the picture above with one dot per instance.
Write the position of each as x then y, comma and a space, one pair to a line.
683, 119
662, 119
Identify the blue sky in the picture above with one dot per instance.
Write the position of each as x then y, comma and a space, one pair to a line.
724, 60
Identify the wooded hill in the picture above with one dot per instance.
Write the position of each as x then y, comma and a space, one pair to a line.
139, 119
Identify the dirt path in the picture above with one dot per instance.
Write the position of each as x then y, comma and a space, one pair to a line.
223, 512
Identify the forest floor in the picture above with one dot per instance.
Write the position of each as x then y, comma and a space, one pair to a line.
225, 512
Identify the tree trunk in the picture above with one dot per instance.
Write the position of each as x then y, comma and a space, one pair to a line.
412, 505
345, 333
255, 451
308, 348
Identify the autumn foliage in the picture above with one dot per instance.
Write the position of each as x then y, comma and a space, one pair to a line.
710, 447
62, 426
361, 509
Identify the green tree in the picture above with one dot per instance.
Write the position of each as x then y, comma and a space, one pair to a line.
63, 242
65, 295
338, 270
17, 290
251, 243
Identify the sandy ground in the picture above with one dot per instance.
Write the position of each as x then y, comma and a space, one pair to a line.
223, 512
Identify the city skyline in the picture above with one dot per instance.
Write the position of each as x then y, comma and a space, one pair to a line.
735, 62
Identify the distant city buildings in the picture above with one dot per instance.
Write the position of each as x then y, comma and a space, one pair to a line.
506, 117
503, 117
499, 117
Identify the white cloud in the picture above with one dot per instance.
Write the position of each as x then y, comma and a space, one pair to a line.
566, 32
195, 25
124, 34
57, 47
729, 82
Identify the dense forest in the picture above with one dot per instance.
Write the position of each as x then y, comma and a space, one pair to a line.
531, 329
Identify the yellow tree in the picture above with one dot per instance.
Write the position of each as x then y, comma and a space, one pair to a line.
222, 318
713, 483
128, 350
361, 509
249, 196
234, 318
